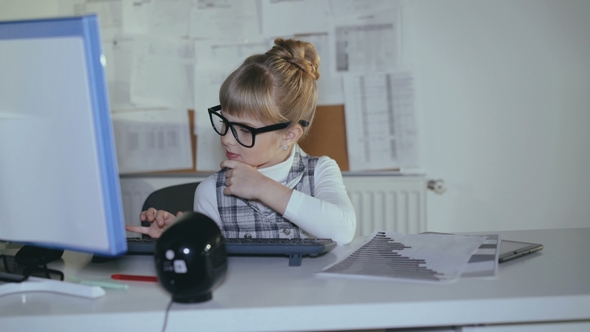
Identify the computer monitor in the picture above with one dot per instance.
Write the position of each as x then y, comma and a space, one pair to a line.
59, 182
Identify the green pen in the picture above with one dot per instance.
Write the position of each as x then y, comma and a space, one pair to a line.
101, 283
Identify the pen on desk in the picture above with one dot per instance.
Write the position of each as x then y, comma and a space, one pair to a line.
101, 283
131, 277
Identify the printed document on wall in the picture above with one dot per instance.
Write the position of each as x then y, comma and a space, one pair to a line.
119, 54
152, 140
381, 128
329, 84
162, 74
224, 19
109, 12
170, 18
362, 7
281, 18
366, 43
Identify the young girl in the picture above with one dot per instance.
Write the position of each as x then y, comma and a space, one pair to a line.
269, 187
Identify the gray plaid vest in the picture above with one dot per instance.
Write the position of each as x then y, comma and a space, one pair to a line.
241, 218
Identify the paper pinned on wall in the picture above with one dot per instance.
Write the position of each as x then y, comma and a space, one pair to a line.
380, 121
422, 258
110, 14
366, 43
162, 74
119, 59
281, 18
225, 19
164, 18
136, 16
329, 84
170, 18
355, 7
152, 140
226, 55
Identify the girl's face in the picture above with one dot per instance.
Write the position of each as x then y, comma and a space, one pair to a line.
267, 150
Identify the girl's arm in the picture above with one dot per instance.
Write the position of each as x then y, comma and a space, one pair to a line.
206, 199
330, 213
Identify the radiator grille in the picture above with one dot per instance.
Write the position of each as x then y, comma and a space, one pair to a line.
393, 204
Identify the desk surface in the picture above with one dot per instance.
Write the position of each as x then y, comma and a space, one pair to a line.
265, 294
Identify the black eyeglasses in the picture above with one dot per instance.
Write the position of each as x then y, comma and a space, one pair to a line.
245, 135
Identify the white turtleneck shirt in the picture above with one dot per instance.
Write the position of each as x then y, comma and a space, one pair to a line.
328, 214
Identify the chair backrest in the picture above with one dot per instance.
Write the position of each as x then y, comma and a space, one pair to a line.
173, 198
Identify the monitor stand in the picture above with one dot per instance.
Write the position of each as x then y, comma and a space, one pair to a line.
34, 284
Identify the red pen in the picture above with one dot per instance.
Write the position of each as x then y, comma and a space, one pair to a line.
134, 277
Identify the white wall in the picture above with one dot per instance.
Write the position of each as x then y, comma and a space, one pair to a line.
17, 9
503, 90
503, 94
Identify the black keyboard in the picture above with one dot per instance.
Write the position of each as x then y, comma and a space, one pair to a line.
294, 248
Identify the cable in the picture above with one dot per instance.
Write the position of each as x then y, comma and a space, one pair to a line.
166, 315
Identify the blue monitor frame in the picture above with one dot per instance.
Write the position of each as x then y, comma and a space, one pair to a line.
87, 28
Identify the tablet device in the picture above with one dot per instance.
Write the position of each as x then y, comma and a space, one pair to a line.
514, 249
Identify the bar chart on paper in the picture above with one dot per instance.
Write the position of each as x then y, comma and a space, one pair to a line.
430, 258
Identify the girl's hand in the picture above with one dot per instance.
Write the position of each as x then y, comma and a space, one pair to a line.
242, 180
247, 182
159, 220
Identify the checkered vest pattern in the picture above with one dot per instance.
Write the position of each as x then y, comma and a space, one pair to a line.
243, 219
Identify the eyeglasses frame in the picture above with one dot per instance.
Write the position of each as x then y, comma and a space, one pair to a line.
255, 131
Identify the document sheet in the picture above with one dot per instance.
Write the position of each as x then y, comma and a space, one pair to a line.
152, 140
484, 262
427, 258
380, 120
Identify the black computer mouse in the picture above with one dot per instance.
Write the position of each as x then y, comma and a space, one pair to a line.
30, 255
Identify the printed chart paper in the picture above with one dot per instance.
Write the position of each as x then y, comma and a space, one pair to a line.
426, 258
484, 262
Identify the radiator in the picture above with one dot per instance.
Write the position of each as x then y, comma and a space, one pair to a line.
388, 203
394, 203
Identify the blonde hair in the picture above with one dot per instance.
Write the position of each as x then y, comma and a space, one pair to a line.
277, 86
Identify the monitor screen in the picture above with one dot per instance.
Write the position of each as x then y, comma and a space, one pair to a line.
59, 183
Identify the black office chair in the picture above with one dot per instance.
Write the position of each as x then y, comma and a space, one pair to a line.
172, 199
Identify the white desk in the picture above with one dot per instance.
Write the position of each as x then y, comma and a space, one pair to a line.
265, 294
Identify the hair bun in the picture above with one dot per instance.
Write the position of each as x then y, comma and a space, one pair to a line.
299, 53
